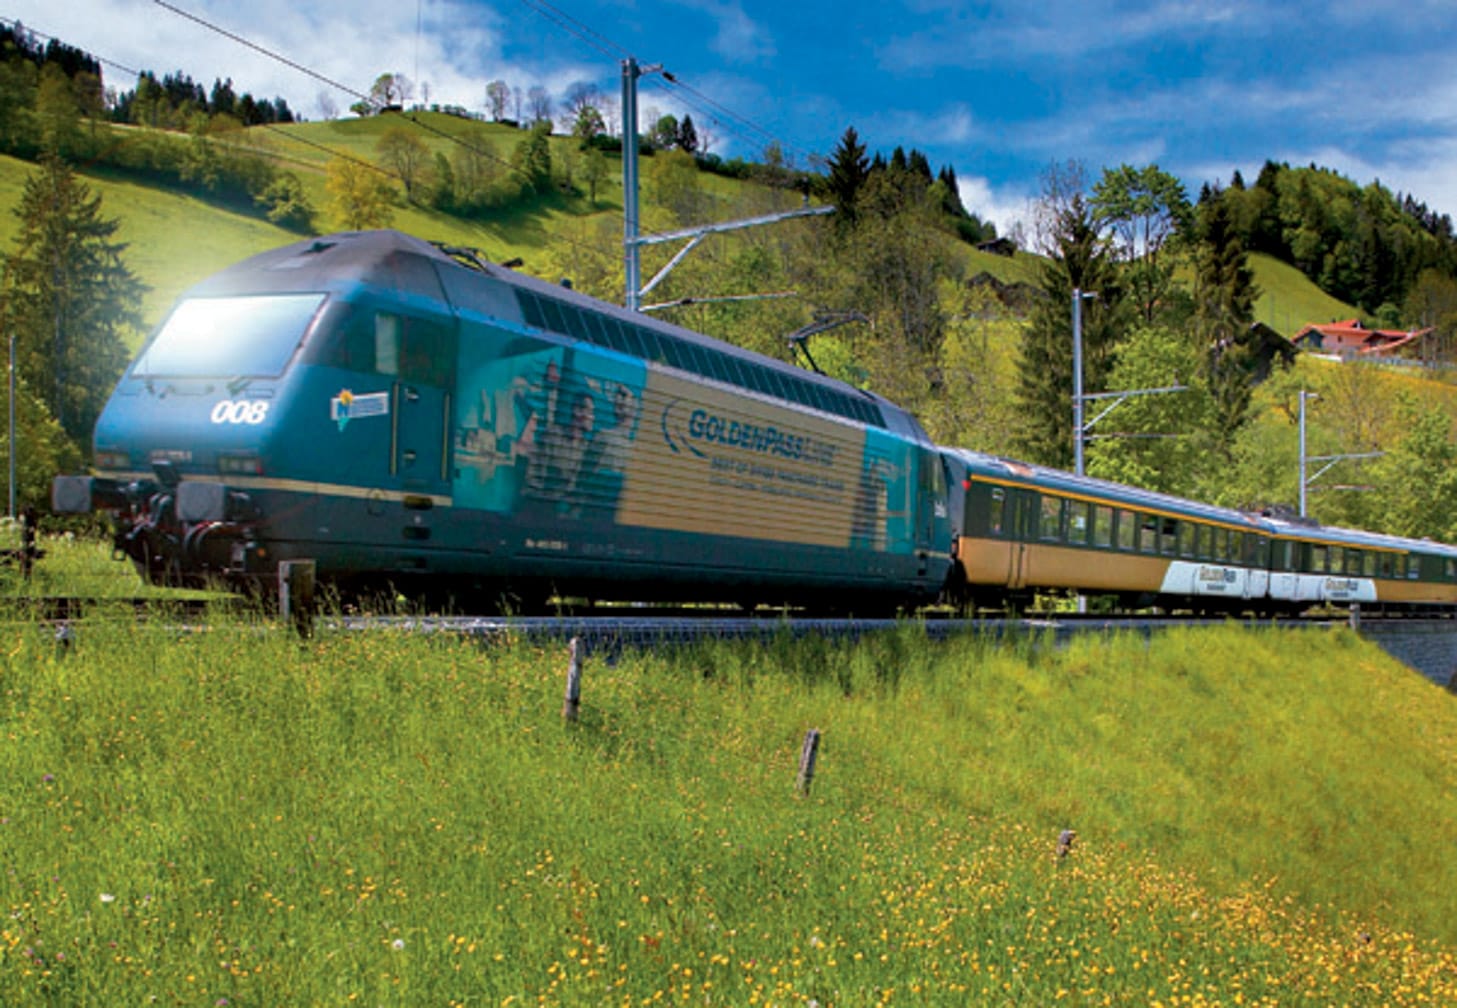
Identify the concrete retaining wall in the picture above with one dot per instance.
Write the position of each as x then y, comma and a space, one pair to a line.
1429, 646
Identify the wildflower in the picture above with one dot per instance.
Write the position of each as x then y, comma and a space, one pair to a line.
47, 778
398, 944
107, 897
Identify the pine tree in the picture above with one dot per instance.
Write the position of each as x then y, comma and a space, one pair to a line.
1080, 259
688, 135
71, 298
848, 171
1224, 308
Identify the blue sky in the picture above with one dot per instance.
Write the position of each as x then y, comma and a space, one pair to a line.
999, 90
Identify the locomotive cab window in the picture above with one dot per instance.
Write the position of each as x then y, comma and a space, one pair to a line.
409, 347
226, 337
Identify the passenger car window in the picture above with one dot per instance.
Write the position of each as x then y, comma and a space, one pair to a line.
1127, 529
1051, 523
1103, 526
994, 512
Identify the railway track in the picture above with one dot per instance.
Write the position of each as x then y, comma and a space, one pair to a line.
613, 628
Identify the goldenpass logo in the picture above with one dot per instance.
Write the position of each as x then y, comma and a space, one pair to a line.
705, 430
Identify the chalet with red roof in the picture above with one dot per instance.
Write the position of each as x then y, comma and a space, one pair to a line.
1350, 339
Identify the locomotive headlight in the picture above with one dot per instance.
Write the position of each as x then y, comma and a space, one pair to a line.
240, 465
113, 460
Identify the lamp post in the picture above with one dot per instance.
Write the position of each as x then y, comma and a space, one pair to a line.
1079, 429
631, 71
10, 333
1307, 478
1304, 459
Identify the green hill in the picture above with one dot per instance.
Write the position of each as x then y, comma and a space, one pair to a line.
177, 238
1289, 301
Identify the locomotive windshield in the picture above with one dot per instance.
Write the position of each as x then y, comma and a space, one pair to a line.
229, 336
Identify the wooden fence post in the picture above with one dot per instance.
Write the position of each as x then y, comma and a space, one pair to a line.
296, 594
573, 701
27, 542
807, 755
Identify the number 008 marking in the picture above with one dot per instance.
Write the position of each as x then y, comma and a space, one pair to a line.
240, 411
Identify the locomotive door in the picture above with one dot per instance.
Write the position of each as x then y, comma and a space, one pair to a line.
932, 515
423, 366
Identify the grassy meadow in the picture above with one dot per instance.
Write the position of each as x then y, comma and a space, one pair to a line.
229, 816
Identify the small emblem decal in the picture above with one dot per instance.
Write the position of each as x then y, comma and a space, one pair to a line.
347, 406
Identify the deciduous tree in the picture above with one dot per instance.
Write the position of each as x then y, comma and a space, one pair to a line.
595, 171
531, 160
43, 448
403, 152
1144, 208
390, 89
360, 196
540, 105
498, 99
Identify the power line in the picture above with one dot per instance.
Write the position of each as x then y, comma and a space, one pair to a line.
411, 118
590, 36
719, 114
271, 127
266, 52
727, 118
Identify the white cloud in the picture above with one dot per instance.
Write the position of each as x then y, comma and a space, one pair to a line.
739, 39
1006, 208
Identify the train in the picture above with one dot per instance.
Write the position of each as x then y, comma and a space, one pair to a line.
410, 417
413, 419
1023, 528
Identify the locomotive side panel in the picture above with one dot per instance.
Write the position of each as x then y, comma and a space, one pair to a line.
713, 463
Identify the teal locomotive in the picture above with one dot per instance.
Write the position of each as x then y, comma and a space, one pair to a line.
411, 418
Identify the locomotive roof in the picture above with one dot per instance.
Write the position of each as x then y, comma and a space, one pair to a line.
338, 261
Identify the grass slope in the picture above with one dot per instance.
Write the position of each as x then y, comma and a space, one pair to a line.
175, 239
1288, 301
230, 817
